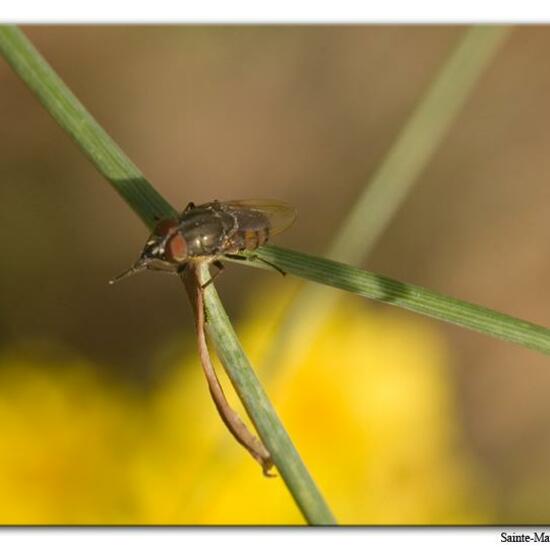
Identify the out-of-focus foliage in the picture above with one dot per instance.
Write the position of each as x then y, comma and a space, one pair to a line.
370, 407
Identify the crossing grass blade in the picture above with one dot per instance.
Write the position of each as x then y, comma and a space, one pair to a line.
407, 296
148, 204
387, 189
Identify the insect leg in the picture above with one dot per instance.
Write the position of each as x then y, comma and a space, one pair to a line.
237, 257
253, 258
276, 267
190, 206
220, 267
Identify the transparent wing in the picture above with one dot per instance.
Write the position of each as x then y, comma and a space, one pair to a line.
280, 214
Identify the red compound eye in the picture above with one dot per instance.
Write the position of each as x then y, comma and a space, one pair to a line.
176, 248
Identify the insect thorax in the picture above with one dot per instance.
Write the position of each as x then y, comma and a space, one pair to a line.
206, 230
217, 228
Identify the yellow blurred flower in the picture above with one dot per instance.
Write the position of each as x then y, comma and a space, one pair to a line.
369, 406
64, 440
371, 410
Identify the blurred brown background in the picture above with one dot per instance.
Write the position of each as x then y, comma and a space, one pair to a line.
302, 114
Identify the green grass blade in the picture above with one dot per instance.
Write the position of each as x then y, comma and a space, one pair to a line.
385, 192
264, 417
408, 296
416, 144
71, 115
147, 203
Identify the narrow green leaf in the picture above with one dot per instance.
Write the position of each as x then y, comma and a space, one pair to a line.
71, 115
416, 143
391, 183
262, 413
408, 296
148, 204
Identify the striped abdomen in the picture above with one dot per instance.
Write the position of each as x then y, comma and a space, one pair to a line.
253, 229
250, 239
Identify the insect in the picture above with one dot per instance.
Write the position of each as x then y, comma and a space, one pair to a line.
210, 231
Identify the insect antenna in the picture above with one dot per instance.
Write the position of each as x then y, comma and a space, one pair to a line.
140, 265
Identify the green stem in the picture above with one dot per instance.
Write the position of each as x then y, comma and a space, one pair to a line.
72, 116
148, 204
416, 143
408, 296
260, 410
385, 192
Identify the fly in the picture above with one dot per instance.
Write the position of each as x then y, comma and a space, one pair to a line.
206, 233
210, 231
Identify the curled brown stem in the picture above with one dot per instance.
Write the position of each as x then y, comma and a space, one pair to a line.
230, 418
